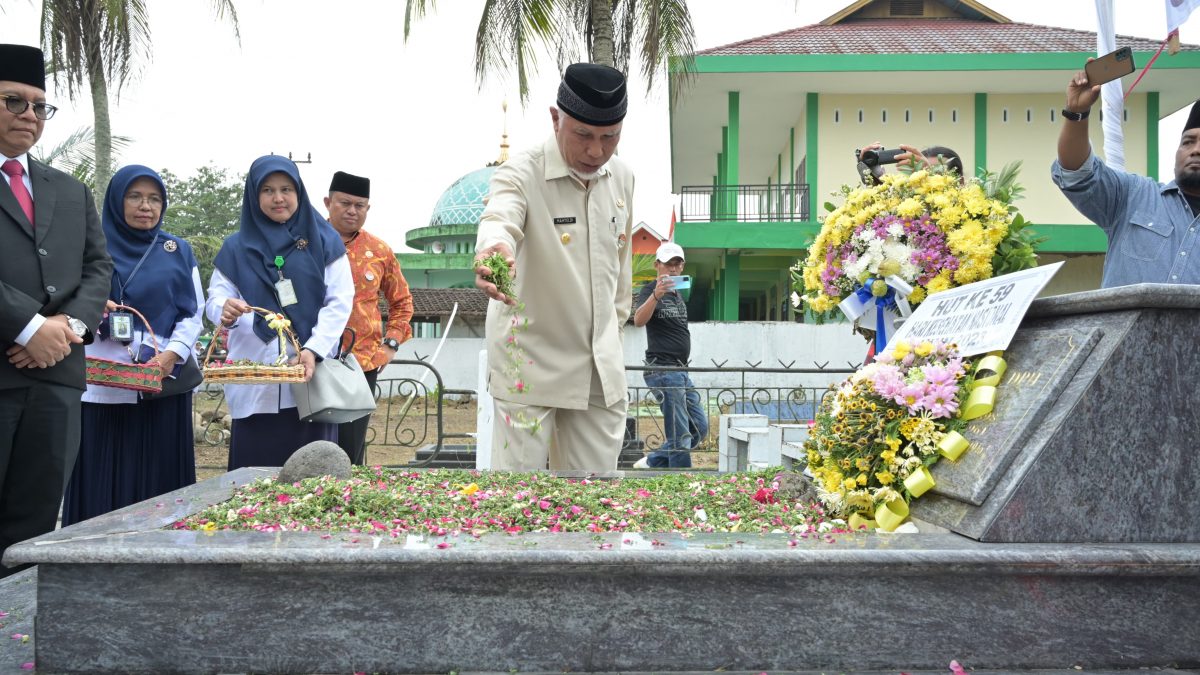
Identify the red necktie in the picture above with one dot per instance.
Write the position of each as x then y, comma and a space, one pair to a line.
14, 170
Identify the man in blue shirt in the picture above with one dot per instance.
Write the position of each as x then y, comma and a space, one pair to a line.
1151, 227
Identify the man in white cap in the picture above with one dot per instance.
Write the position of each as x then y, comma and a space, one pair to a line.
562, 215
661, 309
53, 284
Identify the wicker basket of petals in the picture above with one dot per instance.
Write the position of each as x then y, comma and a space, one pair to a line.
245, 371
145, 377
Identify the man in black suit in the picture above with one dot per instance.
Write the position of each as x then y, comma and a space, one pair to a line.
54, 280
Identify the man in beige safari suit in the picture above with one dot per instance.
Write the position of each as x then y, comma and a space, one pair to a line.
561, 214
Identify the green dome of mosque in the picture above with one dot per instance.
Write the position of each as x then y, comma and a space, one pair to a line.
462, 202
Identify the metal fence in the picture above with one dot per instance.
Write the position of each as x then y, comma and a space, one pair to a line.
744, 203
411, 410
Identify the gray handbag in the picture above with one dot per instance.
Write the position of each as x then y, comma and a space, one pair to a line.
338, 391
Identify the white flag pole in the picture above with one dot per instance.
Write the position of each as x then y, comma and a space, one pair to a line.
1112, 96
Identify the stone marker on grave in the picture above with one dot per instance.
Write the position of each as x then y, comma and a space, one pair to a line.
319, 458
1094, 434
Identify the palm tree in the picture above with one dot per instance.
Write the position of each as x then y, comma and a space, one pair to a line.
100, 42
610, 30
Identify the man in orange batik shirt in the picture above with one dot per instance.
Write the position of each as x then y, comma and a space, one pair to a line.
376, 271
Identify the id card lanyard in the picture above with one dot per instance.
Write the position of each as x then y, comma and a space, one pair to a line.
120, 323
283, 287
123, 284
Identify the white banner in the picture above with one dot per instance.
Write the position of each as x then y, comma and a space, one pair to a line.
979, 317
1178, 11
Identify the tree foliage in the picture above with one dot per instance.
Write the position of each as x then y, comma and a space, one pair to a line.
95, 45
204, 208
608, 32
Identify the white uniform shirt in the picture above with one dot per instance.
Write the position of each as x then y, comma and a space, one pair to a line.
180, 341
253, 399
574, 275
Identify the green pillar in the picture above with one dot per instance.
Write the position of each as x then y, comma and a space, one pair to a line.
779, 187
812, 136
981, 133
723, 175
730, 287
792, 173
1152, 135
712, 198
732, 152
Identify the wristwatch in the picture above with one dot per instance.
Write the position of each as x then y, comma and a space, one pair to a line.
1074, 116
77, 327
391, 344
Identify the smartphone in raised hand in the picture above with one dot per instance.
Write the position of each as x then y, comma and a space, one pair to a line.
1109, 67
681, 282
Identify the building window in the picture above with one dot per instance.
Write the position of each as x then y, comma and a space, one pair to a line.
837, 116
1028, 115
883, 116
931, 115
1004, 115
954, 116
1125, 113
907, 115
1052, 114
860, 116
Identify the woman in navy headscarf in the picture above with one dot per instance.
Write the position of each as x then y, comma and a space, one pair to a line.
284, 258
133, 449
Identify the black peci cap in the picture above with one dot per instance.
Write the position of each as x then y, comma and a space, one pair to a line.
593, 94
351, 185
24, 64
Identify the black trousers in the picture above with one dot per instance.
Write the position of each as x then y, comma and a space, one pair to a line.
39, 441
352, 436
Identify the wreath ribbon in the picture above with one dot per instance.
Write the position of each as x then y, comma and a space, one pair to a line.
892, 300
981, 401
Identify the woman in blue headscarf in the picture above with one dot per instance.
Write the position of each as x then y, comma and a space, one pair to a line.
284, 258
133, 449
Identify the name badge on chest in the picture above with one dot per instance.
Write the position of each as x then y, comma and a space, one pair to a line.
287, 294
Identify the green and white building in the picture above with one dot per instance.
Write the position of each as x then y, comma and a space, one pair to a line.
765, 131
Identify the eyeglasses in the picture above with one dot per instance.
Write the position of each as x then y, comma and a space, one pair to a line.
17, 106
135, 199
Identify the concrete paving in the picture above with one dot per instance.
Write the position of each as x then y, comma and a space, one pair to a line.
18, 602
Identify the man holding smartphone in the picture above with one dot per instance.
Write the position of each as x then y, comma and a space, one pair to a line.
661, 309
1151, 227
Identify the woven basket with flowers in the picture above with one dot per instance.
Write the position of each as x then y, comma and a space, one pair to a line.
245, 371
145, 377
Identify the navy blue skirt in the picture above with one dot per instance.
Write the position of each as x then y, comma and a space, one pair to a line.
130, 452
268, 439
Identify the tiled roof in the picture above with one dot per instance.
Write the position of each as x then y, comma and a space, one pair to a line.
438, 302
926, 36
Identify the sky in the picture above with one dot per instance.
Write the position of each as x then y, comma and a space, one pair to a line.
337, 81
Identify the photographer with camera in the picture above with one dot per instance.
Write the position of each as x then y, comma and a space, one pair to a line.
874, 157
661, 309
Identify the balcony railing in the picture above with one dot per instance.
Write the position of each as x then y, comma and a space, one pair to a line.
745, 203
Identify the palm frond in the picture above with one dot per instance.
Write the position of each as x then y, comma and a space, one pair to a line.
509, 34
666, 33
76, 154
223, 8
415, 10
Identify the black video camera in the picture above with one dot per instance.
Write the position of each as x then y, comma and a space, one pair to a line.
874, 158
